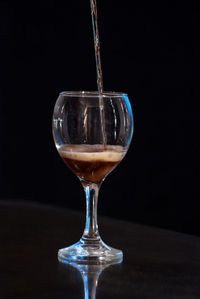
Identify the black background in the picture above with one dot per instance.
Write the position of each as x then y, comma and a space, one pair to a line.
149, 50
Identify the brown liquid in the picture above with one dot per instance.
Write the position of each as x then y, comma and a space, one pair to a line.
93, 5
91, 162
95, 28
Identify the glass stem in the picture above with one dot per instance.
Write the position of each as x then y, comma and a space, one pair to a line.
91, 232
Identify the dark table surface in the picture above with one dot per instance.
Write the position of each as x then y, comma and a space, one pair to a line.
157, 263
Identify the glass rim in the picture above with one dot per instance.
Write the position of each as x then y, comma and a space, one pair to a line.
93, 94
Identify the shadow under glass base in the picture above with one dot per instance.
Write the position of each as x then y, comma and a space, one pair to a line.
90, 253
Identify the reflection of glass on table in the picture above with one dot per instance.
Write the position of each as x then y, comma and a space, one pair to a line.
90, 276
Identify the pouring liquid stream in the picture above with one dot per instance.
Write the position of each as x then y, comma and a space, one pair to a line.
93, 5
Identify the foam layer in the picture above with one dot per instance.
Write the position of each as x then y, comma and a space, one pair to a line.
92, 153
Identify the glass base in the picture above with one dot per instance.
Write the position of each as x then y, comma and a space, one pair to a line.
90, 253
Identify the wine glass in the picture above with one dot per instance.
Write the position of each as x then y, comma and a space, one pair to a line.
92, 132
